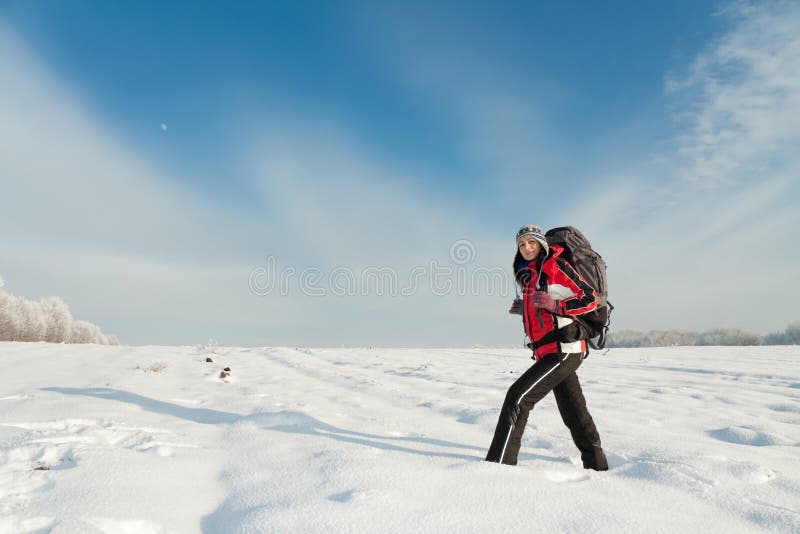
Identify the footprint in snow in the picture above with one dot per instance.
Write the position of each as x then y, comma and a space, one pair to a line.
348, 496
68, 437
752, 473
470, 416
747, 436
790, 408
668, 472
51, 446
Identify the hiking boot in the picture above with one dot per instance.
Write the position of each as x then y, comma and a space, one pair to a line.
596, 459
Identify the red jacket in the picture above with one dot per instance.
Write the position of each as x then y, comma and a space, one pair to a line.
562, 282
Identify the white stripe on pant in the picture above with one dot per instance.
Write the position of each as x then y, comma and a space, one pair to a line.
511, 427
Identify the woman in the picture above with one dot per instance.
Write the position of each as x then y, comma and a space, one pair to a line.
553, 293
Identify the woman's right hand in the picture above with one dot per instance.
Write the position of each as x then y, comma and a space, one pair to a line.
516, 307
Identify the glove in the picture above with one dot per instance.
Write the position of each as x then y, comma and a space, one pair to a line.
542, 300
516, 307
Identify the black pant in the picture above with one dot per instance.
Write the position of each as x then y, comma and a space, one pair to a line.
554, 372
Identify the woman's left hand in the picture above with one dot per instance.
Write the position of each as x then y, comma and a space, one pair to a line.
540, 299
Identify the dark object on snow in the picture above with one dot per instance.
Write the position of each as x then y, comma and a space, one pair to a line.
227, 369
210, 359
223, 375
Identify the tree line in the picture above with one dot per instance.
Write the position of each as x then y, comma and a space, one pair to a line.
48, 319
715, 337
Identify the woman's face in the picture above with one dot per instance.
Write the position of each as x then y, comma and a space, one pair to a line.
529, 248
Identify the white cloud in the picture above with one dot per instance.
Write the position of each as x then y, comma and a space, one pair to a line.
743, 93
129, 247
716, 246
695, 237
699, 235
347, 209
469, 75
344, 206
89, 219
67, 176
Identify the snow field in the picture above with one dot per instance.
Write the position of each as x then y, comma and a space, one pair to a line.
150, 439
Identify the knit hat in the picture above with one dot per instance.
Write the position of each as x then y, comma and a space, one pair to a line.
530, 230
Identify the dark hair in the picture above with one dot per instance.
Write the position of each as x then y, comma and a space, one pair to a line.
521, 274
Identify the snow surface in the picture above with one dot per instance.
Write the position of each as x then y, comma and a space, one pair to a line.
151, 440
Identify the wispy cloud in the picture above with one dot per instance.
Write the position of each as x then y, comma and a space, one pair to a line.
686, 234
69, 177
347, 209
498, 112
344, 206
713, 247
88, 218
741, 96
685, 229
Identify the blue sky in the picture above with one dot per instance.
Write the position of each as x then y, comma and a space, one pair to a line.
336, 134
210, 72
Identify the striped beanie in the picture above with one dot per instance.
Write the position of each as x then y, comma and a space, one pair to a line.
531, 230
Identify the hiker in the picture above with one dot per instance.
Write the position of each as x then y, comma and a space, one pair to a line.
553, 293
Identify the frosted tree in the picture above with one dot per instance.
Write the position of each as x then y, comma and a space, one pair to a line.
793, 333
790, 336
686, 338
58, 319
46, 320
85, 332
33, 325
9, 317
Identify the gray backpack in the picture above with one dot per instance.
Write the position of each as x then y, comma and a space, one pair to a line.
590, 265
